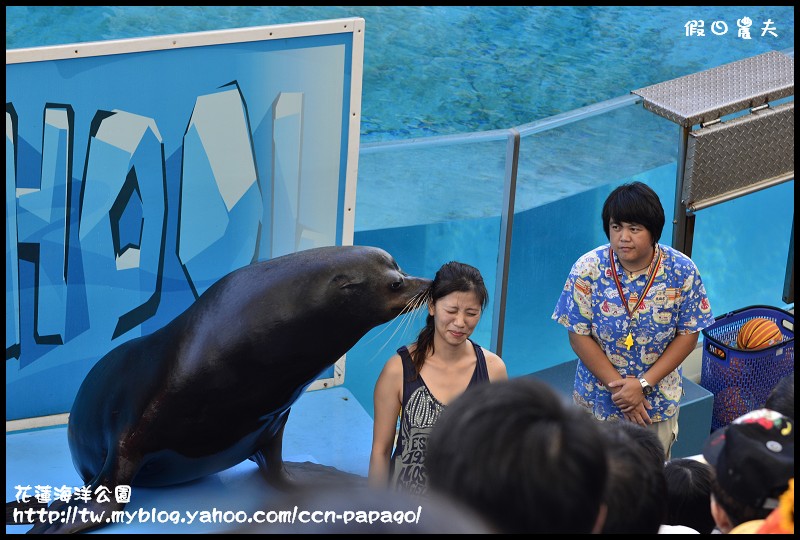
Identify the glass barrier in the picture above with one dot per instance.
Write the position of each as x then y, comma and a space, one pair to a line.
741, 248
565, 175
430, 201
427, 202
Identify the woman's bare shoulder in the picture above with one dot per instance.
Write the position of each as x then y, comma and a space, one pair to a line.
495, 366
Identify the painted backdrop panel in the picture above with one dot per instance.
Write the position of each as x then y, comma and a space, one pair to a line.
136, 179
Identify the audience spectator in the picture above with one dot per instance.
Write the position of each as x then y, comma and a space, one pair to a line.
351, 509
781, 398
689, 494
647, 439
753, 461
520, 456
781, 520
636, 493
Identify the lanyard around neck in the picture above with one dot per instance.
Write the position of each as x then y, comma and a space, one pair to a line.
650, 279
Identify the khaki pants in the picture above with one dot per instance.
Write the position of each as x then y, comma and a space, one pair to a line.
667, 432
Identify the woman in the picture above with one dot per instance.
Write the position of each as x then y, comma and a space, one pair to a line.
421, 379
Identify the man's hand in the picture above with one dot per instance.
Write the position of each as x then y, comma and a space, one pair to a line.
627, 394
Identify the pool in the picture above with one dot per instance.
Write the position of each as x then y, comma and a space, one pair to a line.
435, 70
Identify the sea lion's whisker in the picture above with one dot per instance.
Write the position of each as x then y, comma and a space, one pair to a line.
412, 311
385, 342
403, 321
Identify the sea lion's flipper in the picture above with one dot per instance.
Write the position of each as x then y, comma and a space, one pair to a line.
311, 474
78, 515
269, 457
16, 511
286, 476
74, 516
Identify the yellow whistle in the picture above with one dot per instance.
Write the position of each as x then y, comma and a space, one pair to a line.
629, 341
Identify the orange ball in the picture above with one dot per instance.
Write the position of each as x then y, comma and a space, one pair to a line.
758, 333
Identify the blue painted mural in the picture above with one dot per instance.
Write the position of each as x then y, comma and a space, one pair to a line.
135, 180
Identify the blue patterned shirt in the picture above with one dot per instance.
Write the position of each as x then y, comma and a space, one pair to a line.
590, 304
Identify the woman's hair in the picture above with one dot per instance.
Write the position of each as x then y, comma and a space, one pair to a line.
451, 277
635, 203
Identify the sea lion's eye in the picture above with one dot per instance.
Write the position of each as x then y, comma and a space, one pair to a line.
396, 285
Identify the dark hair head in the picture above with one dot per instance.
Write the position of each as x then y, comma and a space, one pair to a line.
781, 397
384, 511
689, 494
635, 203
451, 277
753, 462
636, 492
737, 511
648, 440
519, 455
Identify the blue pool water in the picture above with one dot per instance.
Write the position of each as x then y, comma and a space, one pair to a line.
434, 70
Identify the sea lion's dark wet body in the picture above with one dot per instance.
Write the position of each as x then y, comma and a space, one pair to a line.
214, 387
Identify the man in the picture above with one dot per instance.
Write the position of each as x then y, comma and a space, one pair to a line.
753, 462
634, 309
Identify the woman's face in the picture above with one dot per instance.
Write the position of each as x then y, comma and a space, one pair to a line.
455, 316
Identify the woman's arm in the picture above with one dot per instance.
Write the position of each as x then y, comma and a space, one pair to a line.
387, 400
495, 366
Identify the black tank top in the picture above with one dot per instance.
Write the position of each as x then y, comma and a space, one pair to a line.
419, 412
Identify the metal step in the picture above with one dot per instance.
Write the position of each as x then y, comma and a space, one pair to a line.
705, 96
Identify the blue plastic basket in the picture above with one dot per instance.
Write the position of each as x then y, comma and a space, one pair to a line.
740, 379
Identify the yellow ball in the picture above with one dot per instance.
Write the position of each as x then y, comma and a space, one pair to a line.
758, 333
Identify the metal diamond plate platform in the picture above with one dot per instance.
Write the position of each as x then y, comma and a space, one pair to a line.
733, 158
708, 95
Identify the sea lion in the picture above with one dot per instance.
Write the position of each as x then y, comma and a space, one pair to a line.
214, 386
